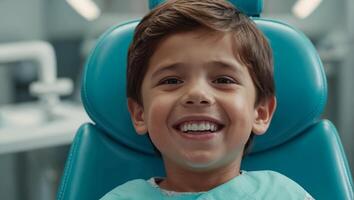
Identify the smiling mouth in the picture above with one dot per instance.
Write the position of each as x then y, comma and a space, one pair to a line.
198, 127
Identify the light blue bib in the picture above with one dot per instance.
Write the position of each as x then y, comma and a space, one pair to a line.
260, 185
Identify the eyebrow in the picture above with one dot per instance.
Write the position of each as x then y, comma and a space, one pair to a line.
236, 67
169, 67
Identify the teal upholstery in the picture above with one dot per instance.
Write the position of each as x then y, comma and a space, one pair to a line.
249, 7
298, 144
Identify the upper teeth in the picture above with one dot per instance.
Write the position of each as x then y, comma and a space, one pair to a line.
198, 126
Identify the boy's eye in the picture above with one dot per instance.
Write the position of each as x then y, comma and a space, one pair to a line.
224, 80
170, 81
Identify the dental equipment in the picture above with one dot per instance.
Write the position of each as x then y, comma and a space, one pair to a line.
49, 121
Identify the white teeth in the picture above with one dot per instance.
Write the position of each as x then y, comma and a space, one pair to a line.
194, 127
213, 127
202, 126
198, 126
189, 127
207, 126
184, 127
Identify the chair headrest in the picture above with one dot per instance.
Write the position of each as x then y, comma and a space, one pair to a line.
301, 87
103, 89
249, 7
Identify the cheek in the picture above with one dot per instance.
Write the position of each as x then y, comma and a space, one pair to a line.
157, 112
238, 107
240, 112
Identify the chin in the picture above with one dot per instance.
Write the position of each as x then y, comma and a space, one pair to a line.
201, 164
207, 162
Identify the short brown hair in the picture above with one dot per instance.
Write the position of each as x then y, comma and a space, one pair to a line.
251, 47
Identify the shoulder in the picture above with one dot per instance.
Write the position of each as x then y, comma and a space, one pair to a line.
274, 185
134, 189
267, 176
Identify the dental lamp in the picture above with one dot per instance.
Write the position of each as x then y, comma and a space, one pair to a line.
304, 8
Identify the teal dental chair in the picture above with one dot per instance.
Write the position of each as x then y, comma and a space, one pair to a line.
299, 144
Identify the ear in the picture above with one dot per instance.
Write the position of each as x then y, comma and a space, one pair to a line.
137, 115
263, 115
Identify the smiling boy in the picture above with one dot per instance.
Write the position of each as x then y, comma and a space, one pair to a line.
200, 84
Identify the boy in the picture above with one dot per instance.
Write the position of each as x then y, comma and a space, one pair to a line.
200, 84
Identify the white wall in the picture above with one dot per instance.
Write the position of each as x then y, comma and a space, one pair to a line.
21, 20
62, 22
328, 16
346, 101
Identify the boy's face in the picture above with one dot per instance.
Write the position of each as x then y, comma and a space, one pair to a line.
199, 102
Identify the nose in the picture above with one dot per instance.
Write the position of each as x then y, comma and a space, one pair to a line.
198, 95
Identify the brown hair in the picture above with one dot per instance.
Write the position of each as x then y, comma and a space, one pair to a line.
250, 46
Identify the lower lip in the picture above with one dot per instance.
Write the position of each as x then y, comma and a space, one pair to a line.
199, 136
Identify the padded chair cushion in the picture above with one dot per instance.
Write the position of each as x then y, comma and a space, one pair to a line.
315, 160
249, 7
92, 168
104, 87
301, 96
301, 87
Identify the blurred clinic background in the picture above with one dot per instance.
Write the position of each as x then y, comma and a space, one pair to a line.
43, 47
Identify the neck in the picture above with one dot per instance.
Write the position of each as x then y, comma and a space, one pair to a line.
179, 179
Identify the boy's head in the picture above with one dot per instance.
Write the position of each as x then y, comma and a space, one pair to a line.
251, 47
199, 69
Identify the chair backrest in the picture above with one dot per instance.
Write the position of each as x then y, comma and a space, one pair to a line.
298, 144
